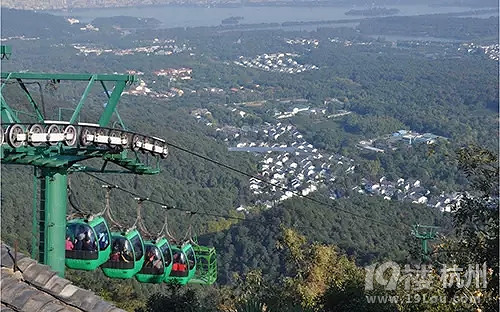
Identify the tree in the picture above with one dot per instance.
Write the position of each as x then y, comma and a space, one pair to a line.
321, 279
476, 219
178, 298
473, 248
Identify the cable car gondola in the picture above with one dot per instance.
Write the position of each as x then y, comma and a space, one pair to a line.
158, 262
127, 247
206, 265
87, 243
87, 239
184, 264
127, 255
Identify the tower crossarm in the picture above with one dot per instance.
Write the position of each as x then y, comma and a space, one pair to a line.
119, 83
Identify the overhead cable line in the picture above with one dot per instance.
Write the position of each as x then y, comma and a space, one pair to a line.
317, 201
190, 212
168, 207
72, 200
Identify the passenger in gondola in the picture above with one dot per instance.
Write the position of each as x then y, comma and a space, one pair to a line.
69, 243
153, 260
182, 267
79, 241
88, 245
115, 255
157, 262
119, 253
179, 263
175, 265
126, 254
103, 241
150, 257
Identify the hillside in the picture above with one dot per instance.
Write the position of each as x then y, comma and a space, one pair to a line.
359, 138
253, 245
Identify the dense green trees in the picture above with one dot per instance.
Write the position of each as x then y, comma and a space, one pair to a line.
432, 26
386, 87
476, 221
250, 245
316, 277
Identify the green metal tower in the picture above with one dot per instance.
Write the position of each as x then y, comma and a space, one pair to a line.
55, 147
424, 233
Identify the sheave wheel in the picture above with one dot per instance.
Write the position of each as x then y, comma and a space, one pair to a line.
102, 132
12, 132
114, 133
83, 136
70, 131
52, 129
126, 138
135, 139
164, 153
35, 129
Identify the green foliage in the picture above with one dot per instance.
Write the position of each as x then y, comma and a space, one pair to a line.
385, 87
475, 241
432, 25
250, 245
177, 299
481, 167
476, 218
252, 306
314, 268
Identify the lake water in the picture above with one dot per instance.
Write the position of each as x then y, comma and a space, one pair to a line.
175, 16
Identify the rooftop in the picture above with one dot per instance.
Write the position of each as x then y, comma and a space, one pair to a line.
35, 287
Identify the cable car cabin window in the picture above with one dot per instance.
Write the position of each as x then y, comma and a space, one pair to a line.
179, 268
191, 259
138, 247
122, 256
153, 263
80, 242
167, 256
102, 235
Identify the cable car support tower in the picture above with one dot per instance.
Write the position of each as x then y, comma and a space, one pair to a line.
424, 233
54, 148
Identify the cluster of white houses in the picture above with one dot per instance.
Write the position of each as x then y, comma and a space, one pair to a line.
294, 166
175, 73
303, 42
409, 190
143, 89
289, 161
492, 50
276, 62
165, 49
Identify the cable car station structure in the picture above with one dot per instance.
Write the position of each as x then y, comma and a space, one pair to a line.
54, 148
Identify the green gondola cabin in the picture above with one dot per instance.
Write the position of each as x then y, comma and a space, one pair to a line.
206, 265
127, 255
158, 262
184, 264
87, 243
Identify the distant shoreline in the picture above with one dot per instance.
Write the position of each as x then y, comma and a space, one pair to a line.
373, 12
347, 5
